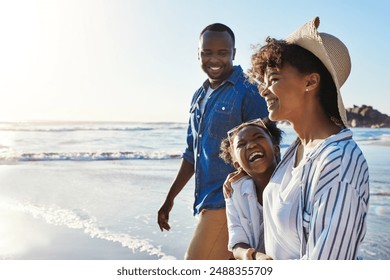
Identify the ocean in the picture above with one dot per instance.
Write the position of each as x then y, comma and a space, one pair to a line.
102, 181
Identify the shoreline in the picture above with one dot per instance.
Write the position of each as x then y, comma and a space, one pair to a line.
45, 241
387, 143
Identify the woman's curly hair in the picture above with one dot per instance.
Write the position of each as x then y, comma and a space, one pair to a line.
269, 55
276, 135
275, 53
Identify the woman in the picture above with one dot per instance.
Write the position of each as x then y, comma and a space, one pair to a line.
253, 149
315, 205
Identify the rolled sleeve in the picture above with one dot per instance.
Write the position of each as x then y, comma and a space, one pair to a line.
189, 151
237, 233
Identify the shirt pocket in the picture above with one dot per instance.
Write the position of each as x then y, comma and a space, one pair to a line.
220, 120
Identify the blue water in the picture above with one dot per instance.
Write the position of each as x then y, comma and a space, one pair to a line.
109, 179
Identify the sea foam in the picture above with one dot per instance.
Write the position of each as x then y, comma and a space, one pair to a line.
82, 220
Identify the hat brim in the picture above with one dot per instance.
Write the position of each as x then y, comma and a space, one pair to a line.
330, 50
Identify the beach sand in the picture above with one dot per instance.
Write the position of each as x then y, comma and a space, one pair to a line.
91, 210
43, 241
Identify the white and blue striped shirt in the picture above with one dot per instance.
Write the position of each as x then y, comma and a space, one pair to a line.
318, 210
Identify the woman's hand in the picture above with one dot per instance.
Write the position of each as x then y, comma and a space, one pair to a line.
242, 251
249, 254
232, 177
262, 256
227, 187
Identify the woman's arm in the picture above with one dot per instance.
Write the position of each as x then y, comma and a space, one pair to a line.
336, 224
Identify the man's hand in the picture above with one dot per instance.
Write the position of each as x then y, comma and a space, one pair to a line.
163, 216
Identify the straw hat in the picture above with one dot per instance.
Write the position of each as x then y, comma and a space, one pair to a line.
330, 50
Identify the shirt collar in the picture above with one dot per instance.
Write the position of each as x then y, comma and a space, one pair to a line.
233, 78
343, 135
245, 185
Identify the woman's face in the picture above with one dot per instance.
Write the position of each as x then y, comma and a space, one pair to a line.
285, 92
253, 150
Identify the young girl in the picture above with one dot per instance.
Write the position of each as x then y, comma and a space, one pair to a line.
253, 149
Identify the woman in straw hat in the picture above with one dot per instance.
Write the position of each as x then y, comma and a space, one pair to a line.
315, 205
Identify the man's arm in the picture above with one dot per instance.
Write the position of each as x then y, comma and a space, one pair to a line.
184, 174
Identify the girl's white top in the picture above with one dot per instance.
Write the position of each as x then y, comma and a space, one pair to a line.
318, 210
245, 215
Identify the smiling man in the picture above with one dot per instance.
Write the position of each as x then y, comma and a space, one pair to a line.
225, 100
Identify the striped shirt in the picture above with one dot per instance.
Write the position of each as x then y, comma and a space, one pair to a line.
318, 210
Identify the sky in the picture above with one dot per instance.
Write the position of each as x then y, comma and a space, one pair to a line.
136, 60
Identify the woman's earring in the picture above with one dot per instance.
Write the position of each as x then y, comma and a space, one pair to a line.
307, 89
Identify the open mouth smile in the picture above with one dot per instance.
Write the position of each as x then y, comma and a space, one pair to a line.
255, 156
215, 68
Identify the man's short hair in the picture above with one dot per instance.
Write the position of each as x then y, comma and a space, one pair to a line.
219, 27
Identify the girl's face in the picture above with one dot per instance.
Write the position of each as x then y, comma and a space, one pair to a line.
253, 150
285, 92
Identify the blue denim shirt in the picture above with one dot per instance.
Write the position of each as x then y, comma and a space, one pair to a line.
235, 101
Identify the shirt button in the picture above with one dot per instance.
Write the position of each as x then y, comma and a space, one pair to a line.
198, 155
198, 116
223, 108
200, 135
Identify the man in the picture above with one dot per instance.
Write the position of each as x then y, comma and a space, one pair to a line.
226, 99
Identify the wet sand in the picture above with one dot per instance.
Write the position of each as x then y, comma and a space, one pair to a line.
43, 241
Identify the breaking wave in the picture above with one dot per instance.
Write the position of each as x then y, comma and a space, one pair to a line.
90, 156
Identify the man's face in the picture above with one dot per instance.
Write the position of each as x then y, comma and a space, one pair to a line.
216, 54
